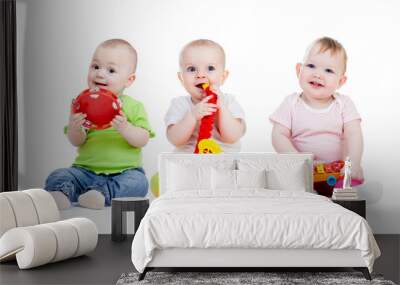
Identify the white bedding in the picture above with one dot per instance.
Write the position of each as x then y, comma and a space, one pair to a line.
251, 218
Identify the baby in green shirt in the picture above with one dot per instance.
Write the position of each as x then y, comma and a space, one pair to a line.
109, 161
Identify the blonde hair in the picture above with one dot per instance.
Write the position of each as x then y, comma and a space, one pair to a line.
331, 45
202, 43
113, 43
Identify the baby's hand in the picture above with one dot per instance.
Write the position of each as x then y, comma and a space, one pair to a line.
203, 108
119, 122
220, 101
76, 121
94, 90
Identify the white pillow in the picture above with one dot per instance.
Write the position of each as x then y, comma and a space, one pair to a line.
287, 177
227, 179
181, 177
281, 173
223, 179
251, 178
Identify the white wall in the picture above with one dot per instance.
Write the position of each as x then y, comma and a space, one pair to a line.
263, 41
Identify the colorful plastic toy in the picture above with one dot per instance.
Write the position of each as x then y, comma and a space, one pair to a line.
206, 126
354, 182
99, 105
329, 172
328, 176
208, 146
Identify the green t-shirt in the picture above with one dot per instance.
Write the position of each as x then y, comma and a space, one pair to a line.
106, 151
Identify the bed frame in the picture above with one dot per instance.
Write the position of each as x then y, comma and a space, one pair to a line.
245, 259
249, 259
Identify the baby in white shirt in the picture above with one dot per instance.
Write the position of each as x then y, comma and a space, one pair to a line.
203, 61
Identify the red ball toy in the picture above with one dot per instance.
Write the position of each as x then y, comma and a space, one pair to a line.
99, 105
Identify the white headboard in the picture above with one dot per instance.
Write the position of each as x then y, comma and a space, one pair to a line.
233, 158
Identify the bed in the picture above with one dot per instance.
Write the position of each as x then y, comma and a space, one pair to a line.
247, 210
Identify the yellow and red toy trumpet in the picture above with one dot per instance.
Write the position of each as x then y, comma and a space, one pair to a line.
204, 143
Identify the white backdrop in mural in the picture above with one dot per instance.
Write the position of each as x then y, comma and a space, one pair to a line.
263, 41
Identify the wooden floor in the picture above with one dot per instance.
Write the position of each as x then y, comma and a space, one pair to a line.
110, 260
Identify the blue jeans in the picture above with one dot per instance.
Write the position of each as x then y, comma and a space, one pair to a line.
75, 181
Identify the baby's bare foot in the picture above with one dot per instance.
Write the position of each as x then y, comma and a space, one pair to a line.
92, 199
61, 200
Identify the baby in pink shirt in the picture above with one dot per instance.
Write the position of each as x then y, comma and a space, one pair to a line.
318, 119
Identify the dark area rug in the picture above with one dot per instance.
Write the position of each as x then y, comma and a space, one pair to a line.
269, 278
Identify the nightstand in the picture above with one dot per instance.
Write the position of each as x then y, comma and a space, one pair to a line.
119, 207
357, 206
